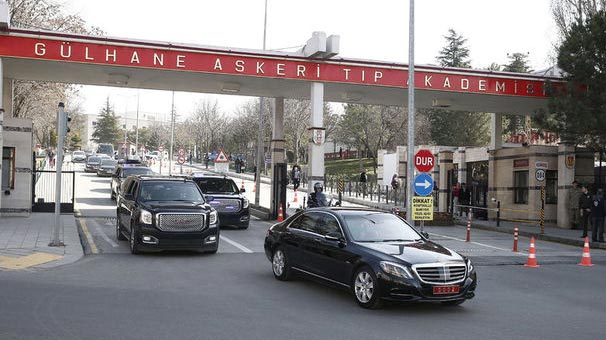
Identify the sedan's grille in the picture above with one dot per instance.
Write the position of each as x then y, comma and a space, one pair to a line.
226, 205
181, 222
435, 273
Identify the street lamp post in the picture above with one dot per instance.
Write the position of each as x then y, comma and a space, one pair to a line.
411, 113
260, 157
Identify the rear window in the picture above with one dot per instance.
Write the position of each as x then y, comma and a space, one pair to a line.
110, 162
170, 191
136, 171
94, 159
217, 185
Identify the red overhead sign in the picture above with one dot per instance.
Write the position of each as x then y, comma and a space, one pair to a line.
424, 160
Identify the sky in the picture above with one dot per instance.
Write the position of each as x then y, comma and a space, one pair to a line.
373, 30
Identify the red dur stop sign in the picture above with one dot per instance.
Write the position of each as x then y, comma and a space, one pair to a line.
424, 160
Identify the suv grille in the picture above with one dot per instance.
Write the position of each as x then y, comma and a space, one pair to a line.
440, 273
181, 222
226, 205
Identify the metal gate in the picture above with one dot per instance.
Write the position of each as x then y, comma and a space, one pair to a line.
43, 191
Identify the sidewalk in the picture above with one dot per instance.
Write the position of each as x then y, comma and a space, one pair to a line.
24, 242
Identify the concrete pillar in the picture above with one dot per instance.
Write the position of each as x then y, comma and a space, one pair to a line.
496, 131
277, 143
316, 150
2, 103
565, 177
445, 162
462, 166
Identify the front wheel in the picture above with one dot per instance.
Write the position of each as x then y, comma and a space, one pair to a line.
119, 235
280, 265
366, 288
134, 247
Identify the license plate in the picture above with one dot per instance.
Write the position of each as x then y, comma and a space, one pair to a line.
441, 290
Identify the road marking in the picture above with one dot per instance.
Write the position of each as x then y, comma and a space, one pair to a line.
480, 244
105, 237
236, 244
89, 238
29, 260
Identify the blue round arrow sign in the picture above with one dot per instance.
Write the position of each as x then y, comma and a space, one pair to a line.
423, 185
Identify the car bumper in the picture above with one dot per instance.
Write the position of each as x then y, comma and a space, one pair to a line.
396, 289
87, 169
160, 240
104, 174
240, 219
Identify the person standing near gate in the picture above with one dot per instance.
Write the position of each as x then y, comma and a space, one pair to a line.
573, 204
464, 199
456, 190
363, 180
585, 203
296, 177
598, 210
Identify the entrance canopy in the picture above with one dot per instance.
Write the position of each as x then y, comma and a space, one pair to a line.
94, 60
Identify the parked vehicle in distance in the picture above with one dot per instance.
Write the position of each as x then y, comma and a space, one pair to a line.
78, 157
165, 213
376, 255
107, 167
224, 195
107, 149
92, 164
122, 172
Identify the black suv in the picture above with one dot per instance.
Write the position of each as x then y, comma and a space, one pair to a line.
165, 213
124, 170
223, 195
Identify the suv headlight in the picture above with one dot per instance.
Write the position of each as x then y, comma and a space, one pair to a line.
213, 217
395, 269
469, 265
145, 217
245, 203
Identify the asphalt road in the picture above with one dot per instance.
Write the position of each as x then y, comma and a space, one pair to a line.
233, 295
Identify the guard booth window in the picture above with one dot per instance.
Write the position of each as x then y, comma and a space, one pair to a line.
520, 187
551, 187
8, 168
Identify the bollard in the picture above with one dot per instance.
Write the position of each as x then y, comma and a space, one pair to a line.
542, 210
515, 239
498, 213
468, 239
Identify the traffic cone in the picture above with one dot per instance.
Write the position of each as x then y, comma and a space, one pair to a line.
295, 199
532, 255
586, 259
280, 214
242, 185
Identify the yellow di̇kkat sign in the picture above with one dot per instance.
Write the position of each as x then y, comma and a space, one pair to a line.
422, 208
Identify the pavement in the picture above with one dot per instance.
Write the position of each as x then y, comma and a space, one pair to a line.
24, 241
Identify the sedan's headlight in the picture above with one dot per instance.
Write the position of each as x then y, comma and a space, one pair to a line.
213, 217
395, 269
145, 217
245, 203
469, 265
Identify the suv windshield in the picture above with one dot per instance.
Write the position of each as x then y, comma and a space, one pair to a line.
94, 160
136, 171
378, 227
170, 191
217, 185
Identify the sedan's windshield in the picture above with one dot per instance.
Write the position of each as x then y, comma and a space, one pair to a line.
170, 191
136, 171
217, 185
378, 227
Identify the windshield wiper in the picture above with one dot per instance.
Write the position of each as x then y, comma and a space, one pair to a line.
397, 240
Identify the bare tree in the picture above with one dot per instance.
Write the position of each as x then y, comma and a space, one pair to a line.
567, 12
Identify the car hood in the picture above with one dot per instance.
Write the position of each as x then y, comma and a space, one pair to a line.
414, 252
177, 205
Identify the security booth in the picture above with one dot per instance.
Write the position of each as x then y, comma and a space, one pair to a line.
17, 164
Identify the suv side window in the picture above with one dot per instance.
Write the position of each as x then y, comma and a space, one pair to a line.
133, 188
125, 188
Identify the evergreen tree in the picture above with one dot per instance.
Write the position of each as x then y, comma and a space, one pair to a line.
107, 129
75, 141
578, 111
457, 128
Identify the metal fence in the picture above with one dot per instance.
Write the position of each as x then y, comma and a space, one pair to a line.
44, 189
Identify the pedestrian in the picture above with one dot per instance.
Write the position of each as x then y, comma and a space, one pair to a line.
363, 180
456, 189
395, 185
317, 198
585, 203
598, 211
296, 176
51, 158
464, 199
573, 204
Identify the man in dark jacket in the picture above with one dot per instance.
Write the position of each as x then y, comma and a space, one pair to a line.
464, 198
597, 217
585, 203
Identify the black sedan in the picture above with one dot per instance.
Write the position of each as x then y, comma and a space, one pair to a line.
374, 254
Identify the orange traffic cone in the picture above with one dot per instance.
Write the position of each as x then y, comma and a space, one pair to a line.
242, 185
295, 199
586, 259
280, 214
532, 255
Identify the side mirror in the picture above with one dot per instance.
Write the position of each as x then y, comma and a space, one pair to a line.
334, 236
209, 198
242, 190
425, 234
129, 197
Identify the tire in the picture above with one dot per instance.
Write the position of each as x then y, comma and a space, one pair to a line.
112, 195
134, 247
242, 227
119, 234
453, 302
365, 288
280, 265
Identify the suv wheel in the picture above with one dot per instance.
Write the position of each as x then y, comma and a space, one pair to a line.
134, 247
119, 234
365, 287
